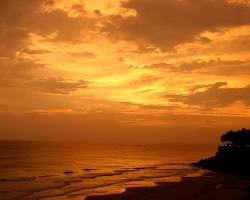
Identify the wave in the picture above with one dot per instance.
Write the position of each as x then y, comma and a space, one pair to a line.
95, 175
46, 194
18, 179
69, 172
89, 169
69, 182
141, 168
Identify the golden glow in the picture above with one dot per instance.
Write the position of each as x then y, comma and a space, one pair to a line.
107, 59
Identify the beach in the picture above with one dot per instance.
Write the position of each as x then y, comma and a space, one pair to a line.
213, 185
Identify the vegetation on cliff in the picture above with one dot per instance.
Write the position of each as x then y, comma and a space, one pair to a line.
233, 154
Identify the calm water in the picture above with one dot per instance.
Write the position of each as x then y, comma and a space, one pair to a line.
54, 171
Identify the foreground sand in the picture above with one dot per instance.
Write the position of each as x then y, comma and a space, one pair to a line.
213, 186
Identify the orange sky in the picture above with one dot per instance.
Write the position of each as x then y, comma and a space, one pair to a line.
133, 69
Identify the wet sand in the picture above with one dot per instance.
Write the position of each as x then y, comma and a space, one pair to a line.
212, 186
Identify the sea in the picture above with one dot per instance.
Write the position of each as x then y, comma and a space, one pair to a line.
74, 170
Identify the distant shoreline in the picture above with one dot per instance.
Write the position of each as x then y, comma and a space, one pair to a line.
213, 185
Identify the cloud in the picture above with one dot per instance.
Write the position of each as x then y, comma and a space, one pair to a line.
27, 74
34, 51
166, 24
142, 49
144, 80
159, 66
13, 33
240, 44
217, 66
205, 86
57, 85
13, 70
84, 54
148, 106
213, 66
214, 95
18, 19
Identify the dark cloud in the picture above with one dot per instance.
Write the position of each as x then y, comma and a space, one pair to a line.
218, 66
142, 49
24, 74
34, 51
13, 33
166, 24
20, 18
214, 66
84, 54
240, 44
204, 86
57, 85
68, 30
13, 70
214, 95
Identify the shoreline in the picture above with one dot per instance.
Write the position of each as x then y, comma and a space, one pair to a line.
213, 185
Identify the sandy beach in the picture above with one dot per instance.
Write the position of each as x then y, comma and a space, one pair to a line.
216, 186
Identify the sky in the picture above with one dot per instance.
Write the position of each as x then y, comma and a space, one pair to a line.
138, 70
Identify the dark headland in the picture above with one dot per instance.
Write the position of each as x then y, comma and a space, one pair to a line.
233, 155
228, 179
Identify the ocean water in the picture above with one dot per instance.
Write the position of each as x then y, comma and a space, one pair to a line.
61, 171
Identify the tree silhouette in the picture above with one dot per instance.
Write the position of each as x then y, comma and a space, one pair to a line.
239, 138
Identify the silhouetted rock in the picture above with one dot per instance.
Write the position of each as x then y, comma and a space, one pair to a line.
233, 154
